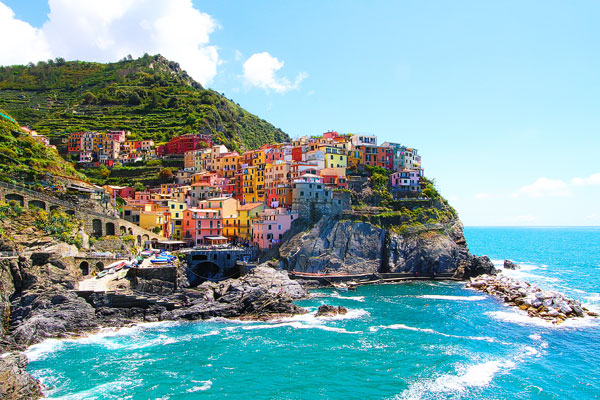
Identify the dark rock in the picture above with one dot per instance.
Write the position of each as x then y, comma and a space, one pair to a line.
510, 265
330, 311
15, 382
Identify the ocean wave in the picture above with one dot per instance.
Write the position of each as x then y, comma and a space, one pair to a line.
477, 375
300, 325
205, 386
431, 331
310, 321
41, 350
117, 387
355, 298
522, 318
453, 298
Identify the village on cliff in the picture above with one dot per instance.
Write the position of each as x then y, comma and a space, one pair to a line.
222, 197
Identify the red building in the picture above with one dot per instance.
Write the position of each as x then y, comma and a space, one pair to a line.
297, 153
377, 156
181, 144
74, 144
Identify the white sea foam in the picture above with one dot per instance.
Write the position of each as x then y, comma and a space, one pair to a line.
431, 331
339, 296
453, 298
41, 350
205, 386
119, 386
478, 375
300, 325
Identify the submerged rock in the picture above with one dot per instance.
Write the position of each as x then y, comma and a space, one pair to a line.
510, 265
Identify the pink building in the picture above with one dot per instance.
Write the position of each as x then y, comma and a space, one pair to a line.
198, 224
119, 136
406, 180
268, 229
143, 196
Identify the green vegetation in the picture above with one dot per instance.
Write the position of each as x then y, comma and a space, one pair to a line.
23, 159
59, 225
150, 96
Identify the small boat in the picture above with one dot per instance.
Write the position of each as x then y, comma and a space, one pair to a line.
111, 271
101, 274
352, 285
340, 287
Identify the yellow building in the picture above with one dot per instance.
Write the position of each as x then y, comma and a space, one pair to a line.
334, 157
354, 158
153, 221
176, 209
246, 213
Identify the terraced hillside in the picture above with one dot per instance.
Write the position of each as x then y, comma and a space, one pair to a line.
23, 159
150, 96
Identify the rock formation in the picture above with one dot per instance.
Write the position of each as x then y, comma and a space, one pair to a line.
358, 247
551, 306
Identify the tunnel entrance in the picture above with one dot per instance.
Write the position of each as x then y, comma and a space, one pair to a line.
202, 272
85, 268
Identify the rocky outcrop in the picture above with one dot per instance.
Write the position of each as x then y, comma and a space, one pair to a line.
510, 265
15, 382
344, 246
330, 311
358, 247
262, 293
551, 306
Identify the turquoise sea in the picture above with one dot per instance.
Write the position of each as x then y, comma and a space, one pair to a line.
406, 341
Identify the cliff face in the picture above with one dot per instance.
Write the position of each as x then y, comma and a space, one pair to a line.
360, 247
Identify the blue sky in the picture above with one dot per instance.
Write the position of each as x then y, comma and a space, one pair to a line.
500, 98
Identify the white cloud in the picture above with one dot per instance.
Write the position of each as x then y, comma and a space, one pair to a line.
482, 196
111, 29
260, 70
544, 187
593, 179
22, 42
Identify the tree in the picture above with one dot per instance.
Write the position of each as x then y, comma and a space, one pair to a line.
165, 174
134, 99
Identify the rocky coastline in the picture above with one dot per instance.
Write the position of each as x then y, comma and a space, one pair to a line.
550, 306
38, 299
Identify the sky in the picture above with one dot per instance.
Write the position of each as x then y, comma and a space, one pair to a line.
502, 99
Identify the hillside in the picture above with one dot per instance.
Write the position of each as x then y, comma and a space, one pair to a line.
150, 96
23, 159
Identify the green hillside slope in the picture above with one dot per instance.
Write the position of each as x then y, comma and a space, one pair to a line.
23, 159
150, 96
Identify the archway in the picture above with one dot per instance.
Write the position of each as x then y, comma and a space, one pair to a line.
70, 212
15, 197
202, 272
123, 230
53, 208
99, 266
145, 238
110, 229
37, 203
97, 227
85, 268
130, 231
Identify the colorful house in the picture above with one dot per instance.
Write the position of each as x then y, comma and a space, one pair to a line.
269, 227
176, 209
198, 224
246, 213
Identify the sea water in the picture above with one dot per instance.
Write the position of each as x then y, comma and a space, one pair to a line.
420, 340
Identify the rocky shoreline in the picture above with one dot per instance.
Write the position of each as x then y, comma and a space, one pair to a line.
550, 306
